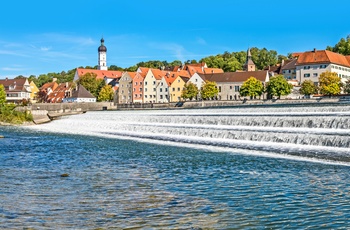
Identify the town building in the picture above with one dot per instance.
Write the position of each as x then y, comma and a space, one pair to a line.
125, 94
80, 94
17, 89
311, 64
230, 83
34, 92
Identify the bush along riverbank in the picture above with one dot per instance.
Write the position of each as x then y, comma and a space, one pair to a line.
10, 116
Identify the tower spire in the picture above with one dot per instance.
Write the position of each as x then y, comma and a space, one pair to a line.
102, 56
249, 64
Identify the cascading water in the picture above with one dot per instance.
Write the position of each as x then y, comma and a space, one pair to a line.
311, 132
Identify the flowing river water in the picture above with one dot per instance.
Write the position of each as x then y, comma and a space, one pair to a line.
229, 168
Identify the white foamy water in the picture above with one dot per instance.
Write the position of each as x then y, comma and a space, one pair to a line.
306, 133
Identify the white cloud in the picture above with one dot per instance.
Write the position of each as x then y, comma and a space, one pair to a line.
11, 69
45, 48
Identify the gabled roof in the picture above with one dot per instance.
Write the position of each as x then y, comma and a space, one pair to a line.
235, 76
17, 85
59, 93
52, 85
143, 71
322, 57
290, 64
158, 74
81, 92
170, 77
100, 74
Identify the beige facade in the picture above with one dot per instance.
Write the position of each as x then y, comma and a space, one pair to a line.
125, 93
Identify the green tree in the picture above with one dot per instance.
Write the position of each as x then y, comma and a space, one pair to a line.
342, 47
252, 87
92, 84
2, 95
278, 86
308, 87
209, 90
106, 93
346, 88
190, 91
330, 83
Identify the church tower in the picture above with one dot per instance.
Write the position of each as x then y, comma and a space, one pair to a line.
249, 64
102, 56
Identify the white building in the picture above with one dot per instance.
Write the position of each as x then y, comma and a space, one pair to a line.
310, 65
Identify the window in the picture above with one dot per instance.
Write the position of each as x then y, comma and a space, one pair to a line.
161, 96
140, 89
145, 82
135, 95
323, 66
135, 83
134, 89
160, 90
166, 89
173, 89
154, 89
178, 89
145, 96
307, 75
154, 82
236, 88
178, 80
196, 80
145, 89
230, 86
219, 89
307, 67
140, 83
315, 74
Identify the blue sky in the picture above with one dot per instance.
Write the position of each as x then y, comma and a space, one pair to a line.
38, 37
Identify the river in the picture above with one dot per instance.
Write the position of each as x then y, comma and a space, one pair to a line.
228, 168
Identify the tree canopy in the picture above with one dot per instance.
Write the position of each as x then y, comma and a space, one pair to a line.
92, 84
308, 87
330, 83
342, 47
2, 95
190, 91
278, 86
106, 93
209, 90
252, 87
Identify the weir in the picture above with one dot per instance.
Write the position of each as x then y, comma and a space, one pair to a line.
312, 132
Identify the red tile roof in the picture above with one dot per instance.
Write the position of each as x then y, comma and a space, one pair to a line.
212, 70
59, 93
322, 56
100, 74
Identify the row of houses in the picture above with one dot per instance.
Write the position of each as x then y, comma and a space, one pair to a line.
149, 85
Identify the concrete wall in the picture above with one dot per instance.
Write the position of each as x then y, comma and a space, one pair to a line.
72, 107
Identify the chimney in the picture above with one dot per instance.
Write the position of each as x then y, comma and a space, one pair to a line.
314, 50
66, 84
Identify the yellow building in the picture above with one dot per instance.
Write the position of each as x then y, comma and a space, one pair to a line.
176, 88
34, 93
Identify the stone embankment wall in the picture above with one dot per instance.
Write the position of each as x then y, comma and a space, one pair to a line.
45, 112
73, 107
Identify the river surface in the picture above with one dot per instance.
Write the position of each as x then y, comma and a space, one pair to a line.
265, 168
